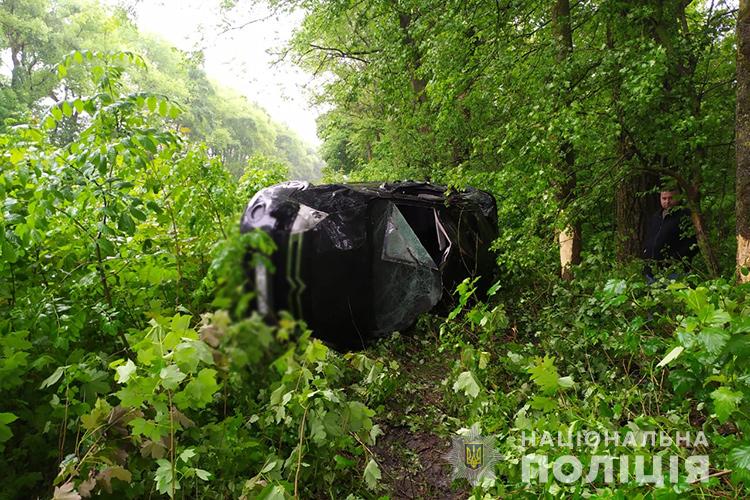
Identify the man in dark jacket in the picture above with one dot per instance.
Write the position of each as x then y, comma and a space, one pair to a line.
665, 238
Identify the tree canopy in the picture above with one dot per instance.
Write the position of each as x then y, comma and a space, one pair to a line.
39, 33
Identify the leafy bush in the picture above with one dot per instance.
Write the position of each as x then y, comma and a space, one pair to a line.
130, 367
607, 356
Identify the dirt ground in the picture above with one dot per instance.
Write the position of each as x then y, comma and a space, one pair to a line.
411, 452
413, 465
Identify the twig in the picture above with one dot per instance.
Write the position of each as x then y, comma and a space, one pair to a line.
715, 474
299, 452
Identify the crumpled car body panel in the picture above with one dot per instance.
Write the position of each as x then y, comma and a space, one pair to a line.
359, 261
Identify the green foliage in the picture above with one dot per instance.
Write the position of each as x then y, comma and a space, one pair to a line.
40, 34
262, 172
131, 365
470, 93
608, 355
116, 235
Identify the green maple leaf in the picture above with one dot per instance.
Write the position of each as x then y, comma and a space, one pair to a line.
199, 391
372, 474
164, 478
125, 371
466, 383
171, 376
544, 374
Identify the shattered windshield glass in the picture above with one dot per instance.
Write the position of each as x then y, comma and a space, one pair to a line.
406, 281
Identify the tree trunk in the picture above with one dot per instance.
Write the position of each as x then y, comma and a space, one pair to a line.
704, 244
632, 210
692, 193
632, 206
17, 70
569, 238
742, 144
418, 85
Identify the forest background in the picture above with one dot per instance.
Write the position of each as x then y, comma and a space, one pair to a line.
131, 366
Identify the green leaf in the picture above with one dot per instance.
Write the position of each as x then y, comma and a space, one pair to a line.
671, 356
7, 418
163, 107
5, 432
171, 376
717, 318
343, 462
566, 382
186, 455
151, 103
276, 492
124, 372
125, 223
725, 402
52, 379
739, 345
713, 339
466, 383
740, 457
164, 477
106, 247
199, 391
697, 300
147, 355
97, 72
137, 391
543, 403
137, 214
316, 351
148, 428
359, 416
372, 474
202, 474
615, 287
181, 322
97, 416
544, 374
148, 144
484, 358
493, 289
268, 467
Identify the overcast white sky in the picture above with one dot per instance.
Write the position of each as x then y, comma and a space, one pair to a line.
239, 58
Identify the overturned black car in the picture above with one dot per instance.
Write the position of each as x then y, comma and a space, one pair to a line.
359, 261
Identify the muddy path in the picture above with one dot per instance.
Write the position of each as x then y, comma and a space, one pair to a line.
417, 425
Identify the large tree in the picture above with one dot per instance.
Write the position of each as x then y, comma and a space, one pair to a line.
743, 140
569, 236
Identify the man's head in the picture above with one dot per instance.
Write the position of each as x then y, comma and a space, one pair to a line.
668, 199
